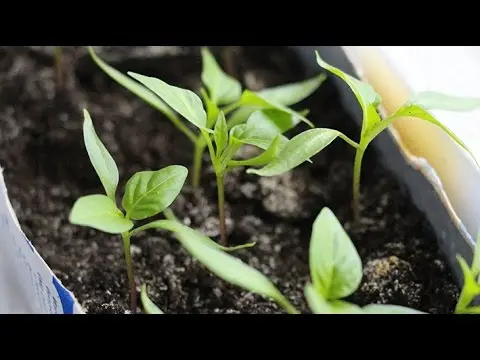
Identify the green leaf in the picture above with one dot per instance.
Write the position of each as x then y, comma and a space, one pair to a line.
139, 90
471, 310
315, 301
290, 94
148, 305
223, 88
274, 120
263, 158
101, 213
470, 289
221, 133
298, 150
255, 135
335, 266
240, 116
102, 161
182, 230
256, 100
319, 305
432, 100
416, 110
183, 101
385, 309
149, 192
344, 307
222, 264
366, 96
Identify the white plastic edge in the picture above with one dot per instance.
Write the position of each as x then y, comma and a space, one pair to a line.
396, 72
27, 284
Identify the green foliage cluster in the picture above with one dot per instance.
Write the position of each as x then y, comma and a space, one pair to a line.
222, 119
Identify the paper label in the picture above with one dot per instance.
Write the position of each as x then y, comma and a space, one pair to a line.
27, 284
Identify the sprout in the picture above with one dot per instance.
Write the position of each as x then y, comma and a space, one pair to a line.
147, 193
372, 125
221, 93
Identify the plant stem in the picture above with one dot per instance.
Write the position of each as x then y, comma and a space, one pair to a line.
197, 162
221, 208
284, 303
57, 54
357, 168
131, 280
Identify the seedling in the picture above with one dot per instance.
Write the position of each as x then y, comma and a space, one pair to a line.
372, 125
335, 266
471, 283
222, 94
147, 193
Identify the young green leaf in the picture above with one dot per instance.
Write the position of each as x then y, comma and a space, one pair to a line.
262, 159
416, 110
101, 213
253, 99
148, 305
149, 192
365, 94
298, 150
225, 266
277, 121
240, 116
102, 161
221, 133
318, 305
335, 266
183, 101
384, 309
315, 301
432, 100
175, 226
470, 289
139, 90
223, 88
259, 136
293, 93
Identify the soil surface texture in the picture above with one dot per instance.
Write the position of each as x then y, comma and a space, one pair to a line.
46, 168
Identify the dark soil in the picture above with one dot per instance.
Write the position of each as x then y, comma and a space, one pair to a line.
47, 169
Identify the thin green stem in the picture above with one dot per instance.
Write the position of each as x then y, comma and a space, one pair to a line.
221, 208
357, 169
197, 162
228, 109
129, 264
289, 308
169, 215
58, 58
182, 127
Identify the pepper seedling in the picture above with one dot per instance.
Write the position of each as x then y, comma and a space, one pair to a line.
335, 266
221, 93
372, 125
471, 283
147, 193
